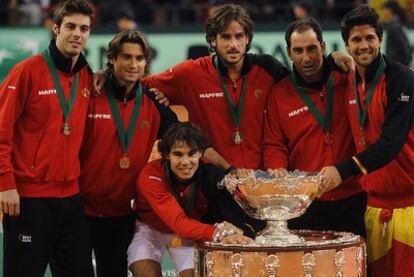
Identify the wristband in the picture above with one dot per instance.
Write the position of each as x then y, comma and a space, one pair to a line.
230, 169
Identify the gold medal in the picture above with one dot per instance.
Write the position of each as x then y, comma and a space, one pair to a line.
238, 137
328, 138
124, 162
85, 92
176, 242
66, 129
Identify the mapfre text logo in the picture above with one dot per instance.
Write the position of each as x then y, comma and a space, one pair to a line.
99, 116
298, 111
211, 95
46, 92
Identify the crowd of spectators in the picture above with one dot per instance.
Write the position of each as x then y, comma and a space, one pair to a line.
182, 12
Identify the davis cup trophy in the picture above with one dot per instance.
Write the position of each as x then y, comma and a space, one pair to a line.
277, 251
275, 200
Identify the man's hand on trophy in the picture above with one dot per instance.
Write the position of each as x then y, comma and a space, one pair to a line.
225, 229
278, 172
241, 173
237, 239
330, 179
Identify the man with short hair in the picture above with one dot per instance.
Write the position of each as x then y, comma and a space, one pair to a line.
305, 129
122, 125
43, 104
226, 93
381, 112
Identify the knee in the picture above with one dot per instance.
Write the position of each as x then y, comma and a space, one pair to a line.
145, 268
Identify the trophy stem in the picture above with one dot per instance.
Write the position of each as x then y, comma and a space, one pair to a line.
277, 233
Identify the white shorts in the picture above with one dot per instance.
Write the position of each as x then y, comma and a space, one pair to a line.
149, 244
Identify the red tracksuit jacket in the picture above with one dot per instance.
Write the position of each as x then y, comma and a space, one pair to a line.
389, 135
158, 207
196, 85
106, 189
35, 157
293, 139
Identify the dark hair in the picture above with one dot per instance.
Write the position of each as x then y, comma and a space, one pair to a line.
70, 7
397, 10
115, 45
301, 26
186, 132
362, 15
223, 16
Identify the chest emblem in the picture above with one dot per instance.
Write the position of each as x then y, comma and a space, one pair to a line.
144, 124
257, 93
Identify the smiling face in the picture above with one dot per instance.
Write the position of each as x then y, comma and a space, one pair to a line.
363, 44
129, 64
231, 44
72, 34
184, 161
306, 53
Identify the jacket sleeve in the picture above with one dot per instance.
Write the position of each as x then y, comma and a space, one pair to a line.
13, 94
172, 82
399, 121
225, 206
275, 151
168, 117
162, 201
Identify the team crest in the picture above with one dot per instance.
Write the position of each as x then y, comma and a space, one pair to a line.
143, 124
85, 92
258, 93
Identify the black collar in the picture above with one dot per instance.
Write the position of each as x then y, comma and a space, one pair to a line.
318, 85
247, 65
64, 63
119, 90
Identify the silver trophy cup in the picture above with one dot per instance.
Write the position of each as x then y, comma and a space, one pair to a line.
275, 200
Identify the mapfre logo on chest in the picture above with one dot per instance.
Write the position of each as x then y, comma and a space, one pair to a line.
99, 116
46, 92
209, 95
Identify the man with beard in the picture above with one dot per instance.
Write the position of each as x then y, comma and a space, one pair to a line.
381, 111
305, 129
43, 105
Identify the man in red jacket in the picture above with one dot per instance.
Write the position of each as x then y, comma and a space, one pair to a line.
381, 112
305, 129
122, 125
43, 105
178, 202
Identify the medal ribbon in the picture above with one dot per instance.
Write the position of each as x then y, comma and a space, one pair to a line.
362, 115
125, 137
65, 106
324, 122
190, 201
236, 111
